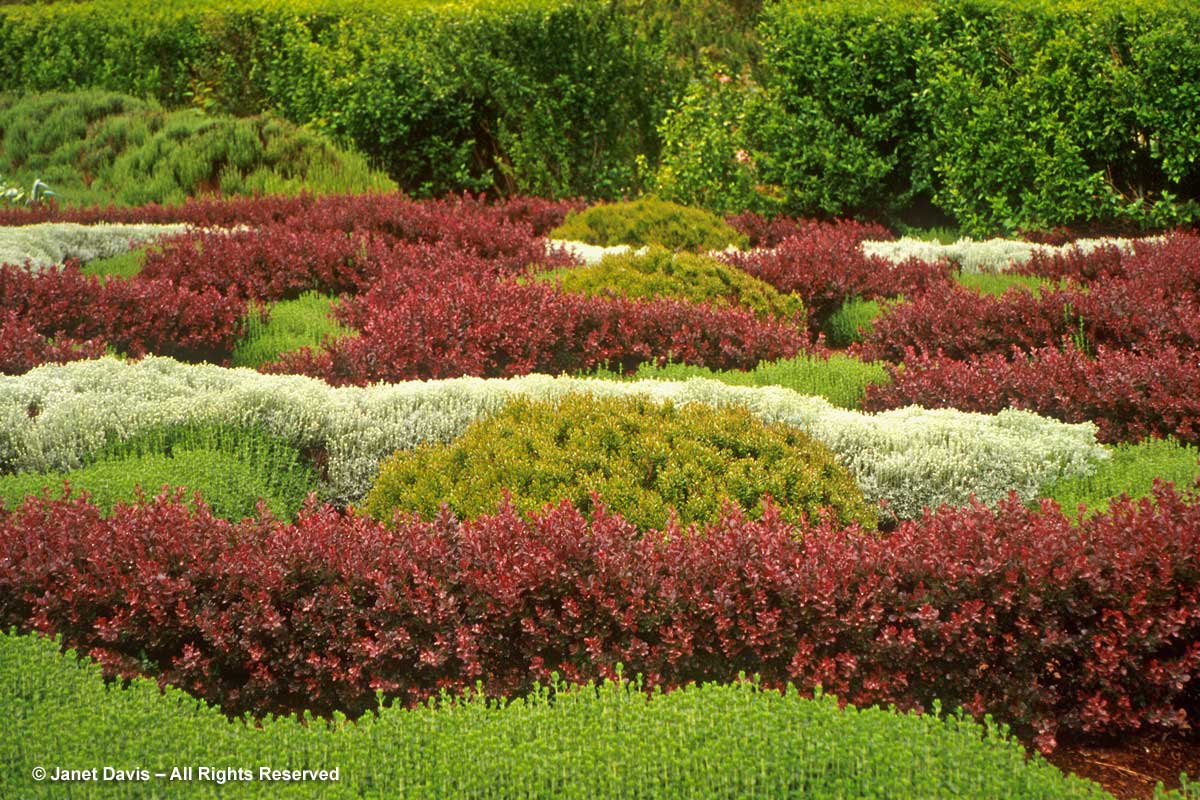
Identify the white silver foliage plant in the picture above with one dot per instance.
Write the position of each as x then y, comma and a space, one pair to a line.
50, 243
993, 255
55, 415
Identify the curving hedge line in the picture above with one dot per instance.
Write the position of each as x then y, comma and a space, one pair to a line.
53, 416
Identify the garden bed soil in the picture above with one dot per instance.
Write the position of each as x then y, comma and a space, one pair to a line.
1131, 768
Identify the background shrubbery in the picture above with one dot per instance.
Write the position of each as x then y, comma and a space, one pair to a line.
999, 115
104, 147
539, 96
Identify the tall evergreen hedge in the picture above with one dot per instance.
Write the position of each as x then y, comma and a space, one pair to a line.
539, 96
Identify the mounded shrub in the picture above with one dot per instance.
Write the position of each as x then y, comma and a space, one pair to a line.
102, 147
641, 459
648, 221
687, 276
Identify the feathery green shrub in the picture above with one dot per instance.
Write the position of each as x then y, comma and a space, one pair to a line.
641, 458
126, 265
688, 276
98, 147
231, 468
292, 324
840, 379
852, 321
1131, 470
709, 742
649, 221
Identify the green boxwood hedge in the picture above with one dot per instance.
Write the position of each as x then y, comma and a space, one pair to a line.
1002, 114
545, 97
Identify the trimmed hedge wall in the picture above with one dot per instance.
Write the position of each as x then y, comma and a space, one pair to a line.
1002, 114
541, 96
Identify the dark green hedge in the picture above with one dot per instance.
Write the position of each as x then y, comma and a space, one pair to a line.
1001, 114
538, 96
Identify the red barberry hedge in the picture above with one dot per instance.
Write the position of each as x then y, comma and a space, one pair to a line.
1050, 626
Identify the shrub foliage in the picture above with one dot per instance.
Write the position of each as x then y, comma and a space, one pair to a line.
642, 460
1016, 612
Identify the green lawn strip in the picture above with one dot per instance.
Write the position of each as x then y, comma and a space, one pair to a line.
713, 741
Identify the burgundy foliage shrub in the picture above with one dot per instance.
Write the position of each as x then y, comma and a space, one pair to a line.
425, 325
825, 265
1129, 394
1051, 627
22, 348
764, 232
344, 212
135, 316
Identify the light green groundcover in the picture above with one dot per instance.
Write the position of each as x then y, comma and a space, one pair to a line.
592, 742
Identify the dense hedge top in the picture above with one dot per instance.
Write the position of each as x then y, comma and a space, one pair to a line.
1003, 114
708, 742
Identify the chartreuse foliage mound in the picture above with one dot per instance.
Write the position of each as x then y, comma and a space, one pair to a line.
231, 467
711, 741
303, 322
103, 147
689, 276
641, 458
1131, 470
649, 221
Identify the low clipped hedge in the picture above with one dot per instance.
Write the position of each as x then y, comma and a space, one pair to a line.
649, 221
641, 459
714, 741
104, 147
661, 273
1053, 627
540, 96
